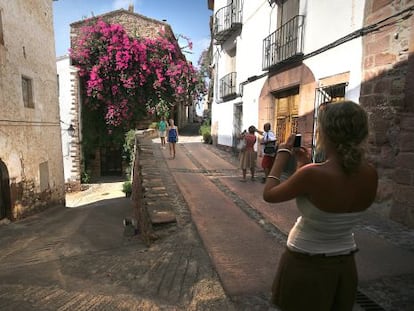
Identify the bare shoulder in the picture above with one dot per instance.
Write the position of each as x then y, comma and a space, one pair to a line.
316, 175
369, 174
311, 169
372, 170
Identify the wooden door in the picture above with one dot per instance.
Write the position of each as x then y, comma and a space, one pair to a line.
286, 116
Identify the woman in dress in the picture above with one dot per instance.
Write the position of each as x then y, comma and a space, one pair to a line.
172, 138
248, 156
317, 271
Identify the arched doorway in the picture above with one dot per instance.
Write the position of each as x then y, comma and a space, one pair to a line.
5, 208
287, 103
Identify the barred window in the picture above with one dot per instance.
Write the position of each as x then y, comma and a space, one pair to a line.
325, 95
27, 91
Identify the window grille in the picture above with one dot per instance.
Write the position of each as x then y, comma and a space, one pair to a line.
325, 95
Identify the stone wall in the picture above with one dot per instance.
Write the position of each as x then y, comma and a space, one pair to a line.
387, 80
30, 139
136, 25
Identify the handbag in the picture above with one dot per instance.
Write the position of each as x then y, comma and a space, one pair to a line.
270, 148
241, 145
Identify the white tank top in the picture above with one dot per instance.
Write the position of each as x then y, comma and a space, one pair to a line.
320, 232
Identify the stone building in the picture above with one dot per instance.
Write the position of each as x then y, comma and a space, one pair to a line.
277, 60
108, 159
387, 92
31, 170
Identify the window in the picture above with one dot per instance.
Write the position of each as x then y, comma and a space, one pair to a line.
325, 95
27, 91
330, 94
286, 113
286, 10
1, 29
44, 176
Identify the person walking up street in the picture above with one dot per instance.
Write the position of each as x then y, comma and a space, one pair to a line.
248, 155
317, 271
268, 150
162, 129
172, 138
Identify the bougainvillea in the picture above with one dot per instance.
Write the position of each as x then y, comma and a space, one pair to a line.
122, 73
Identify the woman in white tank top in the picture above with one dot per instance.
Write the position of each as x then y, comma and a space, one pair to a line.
317, 270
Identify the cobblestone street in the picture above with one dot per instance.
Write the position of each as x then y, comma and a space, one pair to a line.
77, 258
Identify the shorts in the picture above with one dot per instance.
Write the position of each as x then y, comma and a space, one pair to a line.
162, 133
305, 282
267, 162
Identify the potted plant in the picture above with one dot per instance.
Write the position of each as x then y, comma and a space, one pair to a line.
127, 188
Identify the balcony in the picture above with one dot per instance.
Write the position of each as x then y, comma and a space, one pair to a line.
228, 87
285, 44
227, 21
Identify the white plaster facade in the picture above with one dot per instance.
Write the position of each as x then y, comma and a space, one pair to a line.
67, 98
361, 50
259, 20
30, 143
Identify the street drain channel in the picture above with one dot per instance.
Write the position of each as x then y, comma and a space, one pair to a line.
366, 303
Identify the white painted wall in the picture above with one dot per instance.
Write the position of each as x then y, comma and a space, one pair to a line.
257, 24
325, 22
64, 71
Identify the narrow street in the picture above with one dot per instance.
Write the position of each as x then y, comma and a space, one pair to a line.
221, 254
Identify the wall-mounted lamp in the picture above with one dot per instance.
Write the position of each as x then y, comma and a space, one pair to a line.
71, 130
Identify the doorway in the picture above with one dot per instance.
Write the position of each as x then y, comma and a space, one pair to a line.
111, 161
285, 119
5, 206
237, 122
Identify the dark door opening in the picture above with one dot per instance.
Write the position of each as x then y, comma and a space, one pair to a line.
5, 207
111, 161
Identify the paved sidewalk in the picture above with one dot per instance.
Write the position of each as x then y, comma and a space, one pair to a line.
386, 257
385, 262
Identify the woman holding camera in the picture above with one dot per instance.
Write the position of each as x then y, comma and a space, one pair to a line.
317, 270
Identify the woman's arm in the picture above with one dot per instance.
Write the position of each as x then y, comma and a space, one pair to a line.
297, 184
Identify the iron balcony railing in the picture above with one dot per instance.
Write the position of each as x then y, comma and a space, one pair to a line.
284, 44
228, 86
227, 21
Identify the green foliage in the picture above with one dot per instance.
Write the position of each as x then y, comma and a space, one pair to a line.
128, 150
153, 125
204, 63
86, 178
205, 131
129, 143
127, 187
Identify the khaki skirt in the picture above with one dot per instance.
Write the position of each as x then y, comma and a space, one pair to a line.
248, 159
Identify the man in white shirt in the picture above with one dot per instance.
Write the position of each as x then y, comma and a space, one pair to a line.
269, 149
